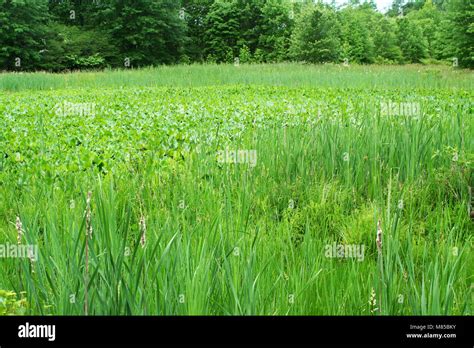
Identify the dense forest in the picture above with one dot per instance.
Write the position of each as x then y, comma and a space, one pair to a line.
58, 35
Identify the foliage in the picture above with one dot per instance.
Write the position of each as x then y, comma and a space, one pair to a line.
316, 38
9, 305
41, 34
231, 237
356, 24
23, 27
91, 62
462, 17
411, 41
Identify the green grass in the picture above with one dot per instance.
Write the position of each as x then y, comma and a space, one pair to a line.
292, 75
230, 239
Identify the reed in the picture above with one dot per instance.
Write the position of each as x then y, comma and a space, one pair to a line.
164, 228
88, 216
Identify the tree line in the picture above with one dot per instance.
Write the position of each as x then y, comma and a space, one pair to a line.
58, 35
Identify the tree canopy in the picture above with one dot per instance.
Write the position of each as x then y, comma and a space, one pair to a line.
57, 35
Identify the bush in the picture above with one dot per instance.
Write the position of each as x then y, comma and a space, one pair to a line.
9, 305
85, 63
244, 55
258, 57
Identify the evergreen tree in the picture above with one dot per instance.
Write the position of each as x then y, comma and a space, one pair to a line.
461, 14
316, 37
23, 33
428, 18
411, 40
194, 13
222, 32
275, 30
396, 9
145, 32
386, 41
358, 44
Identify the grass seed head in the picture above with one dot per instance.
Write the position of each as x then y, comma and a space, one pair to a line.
379, 236
19, 229
373, 301
143, 231
88, 215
